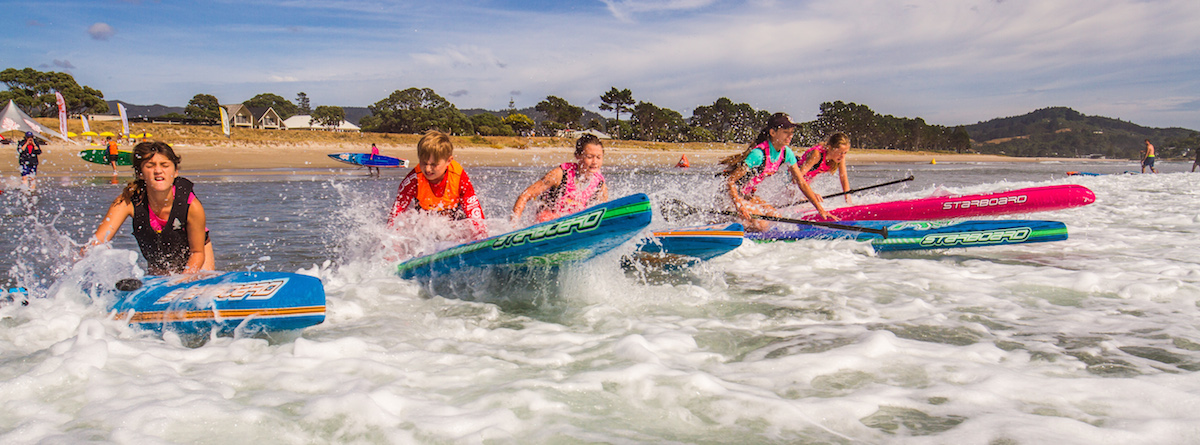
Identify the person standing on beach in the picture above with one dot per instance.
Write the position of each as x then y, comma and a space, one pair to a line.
113, 153
168, 221
1196, 163
570, 187
374, 153
766, 155
27, 155
440, 185
1148, 158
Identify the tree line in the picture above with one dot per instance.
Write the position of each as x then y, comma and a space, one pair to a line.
415, 110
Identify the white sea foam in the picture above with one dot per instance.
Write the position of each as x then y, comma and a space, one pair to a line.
1092, 340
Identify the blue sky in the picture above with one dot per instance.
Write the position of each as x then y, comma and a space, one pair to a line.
948, 61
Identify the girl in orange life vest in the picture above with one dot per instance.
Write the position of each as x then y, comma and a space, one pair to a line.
570, 187
168, 220
766, 155
829, 156
439, 184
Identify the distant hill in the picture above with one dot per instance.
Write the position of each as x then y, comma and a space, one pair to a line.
142, 110
1061, 131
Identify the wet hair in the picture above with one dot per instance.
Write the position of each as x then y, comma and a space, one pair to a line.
833, 141
141, 154
434, 145
777, 120
586, 140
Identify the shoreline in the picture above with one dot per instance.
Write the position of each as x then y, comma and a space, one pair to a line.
60, 159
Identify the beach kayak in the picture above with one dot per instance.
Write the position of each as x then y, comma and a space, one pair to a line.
367, 160
573, 238
919, 235
1026, 200
227, 302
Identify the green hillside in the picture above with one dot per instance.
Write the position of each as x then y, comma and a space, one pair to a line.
1061, 131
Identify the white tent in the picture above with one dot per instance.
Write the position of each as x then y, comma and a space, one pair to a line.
13, 119
305, 122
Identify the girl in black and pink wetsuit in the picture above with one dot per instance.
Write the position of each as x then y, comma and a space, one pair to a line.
570, 187
168, 220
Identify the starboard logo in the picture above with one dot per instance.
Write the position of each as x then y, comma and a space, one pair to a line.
258, 290
920, 225
1014, 235
581, 223
1003, 200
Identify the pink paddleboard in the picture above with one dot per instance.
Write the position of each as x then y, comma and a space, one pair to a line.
1026, 200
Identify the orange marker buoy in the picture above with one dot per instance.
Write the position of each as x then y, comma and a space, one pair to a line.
683, 162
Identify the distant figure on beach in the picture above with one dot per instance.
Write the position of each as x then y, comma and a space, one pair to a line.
1148, 158
27, 155
829, 156
766, 155
113, 154
374, 153
1196, 163
168, 220
570, 187
440, 185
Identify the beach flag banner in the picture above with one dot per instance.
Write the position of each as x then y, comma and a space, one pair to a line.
62, 114
224, 121
124, 118
86, 127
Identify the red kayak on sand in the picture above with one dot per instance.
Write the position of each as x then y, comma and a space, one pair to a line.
1026, 200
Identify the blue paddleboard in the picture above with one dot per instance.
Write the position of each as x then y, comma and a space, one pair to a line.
366, 160
190, 304
572, 238
690, 244
917, 235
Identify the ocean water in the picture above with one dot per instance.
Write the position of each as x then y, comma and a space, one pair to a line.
1093, 340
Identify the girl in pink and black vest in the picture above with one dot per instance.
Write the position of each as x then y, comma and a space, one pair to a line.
570, 187
829, 156
767, 155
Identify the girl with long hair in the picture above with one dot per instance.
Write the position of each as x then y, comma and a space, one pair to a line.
767, 155
168, 220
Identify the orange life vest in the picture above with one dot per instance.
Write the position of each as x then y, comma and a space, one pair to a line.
449, 199
112, 147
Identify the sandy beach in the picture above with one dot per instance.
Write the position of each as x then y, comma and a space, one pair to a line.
62, 159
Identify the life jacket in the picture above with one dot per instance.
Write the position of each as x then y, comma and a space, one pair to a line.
821, 166
449, 200
757, 174
112, 147
567, 197
166, 252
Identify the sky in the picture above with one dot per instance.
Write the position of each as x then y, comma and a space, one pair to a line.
949, 62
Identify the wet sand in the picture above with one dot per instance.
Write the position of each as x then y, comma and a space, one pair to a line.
60, 159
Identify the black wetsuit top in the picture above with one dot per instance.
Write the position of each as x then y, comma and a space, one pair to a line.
166, 252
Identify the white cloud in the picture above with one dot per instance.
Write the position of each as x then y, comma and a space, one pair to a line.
624, 10
101, 31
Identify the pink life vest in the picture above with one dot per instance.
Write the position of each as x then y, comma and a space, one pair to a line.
568, 197
821, 166
768, 168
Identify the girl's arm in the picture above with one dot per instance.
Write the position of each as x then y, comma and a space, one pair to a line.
552, 179
116, 215
845, 178
196, 223
808, 192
